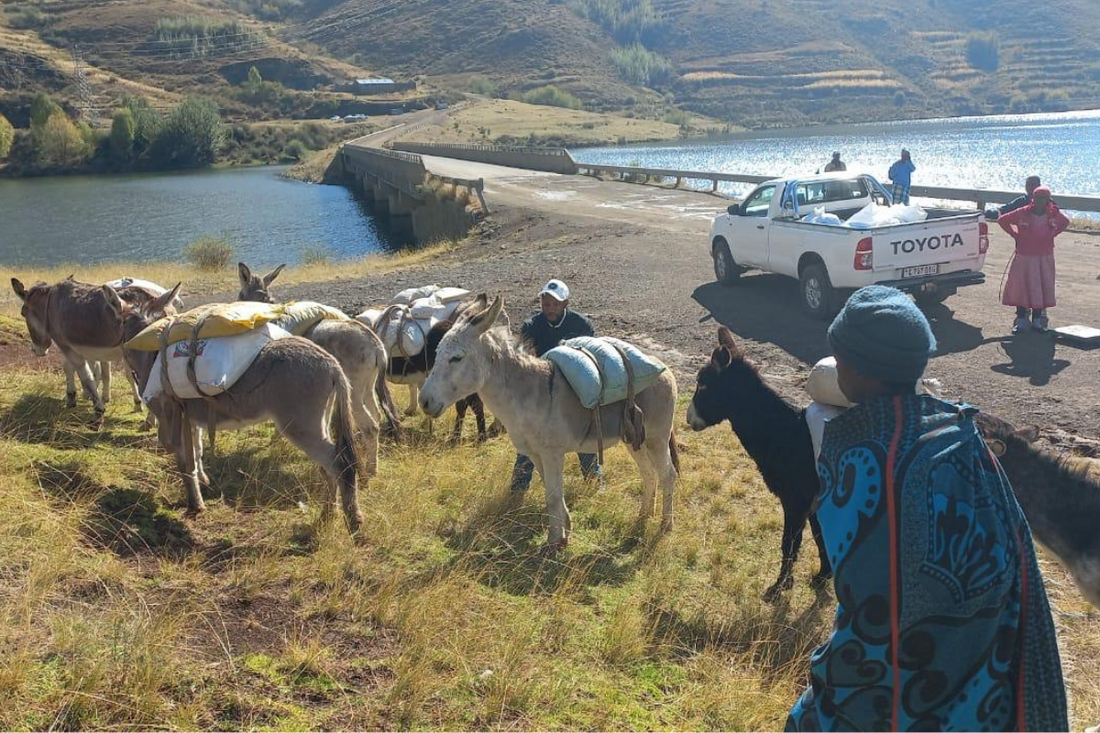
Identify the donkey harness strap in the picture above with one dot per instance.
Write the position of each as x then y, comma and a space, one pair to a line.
596, 410
633, 427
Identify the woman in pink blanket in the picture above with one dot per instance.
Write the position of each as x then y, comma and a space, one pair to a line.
1031, 280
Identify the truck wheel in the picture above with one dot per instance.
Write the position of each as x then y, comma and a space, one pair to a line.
934, 297
818, 296
726, 270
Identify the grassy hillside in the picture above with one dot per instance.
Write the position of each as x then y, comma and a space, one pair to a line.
117, 613
741, 61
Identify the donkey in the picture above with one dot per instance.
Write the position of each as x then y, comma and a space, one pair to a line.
360, 352
292, 382
776, 437
543, 416
85, 322
1060, 495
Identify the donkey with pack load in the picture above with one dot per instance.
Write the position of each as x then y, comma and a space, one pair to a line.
280, 378
545, 416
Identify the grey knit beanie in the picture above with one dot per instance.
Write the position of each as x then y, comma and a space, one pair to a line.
883, 335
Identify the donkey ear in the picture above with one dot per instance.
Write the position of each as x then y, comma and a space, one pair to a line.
1028, 434
270, 277
244, 273
484, 320
997, 447
725, 340
721, 357
481, 301
17, 286
112, 299
161, 303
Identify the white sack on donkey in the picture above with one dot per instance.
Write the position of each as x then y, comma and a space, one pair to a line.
603, 382
219, 362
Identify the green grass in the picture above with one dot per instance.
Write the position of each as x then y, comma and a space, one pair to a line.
444, 616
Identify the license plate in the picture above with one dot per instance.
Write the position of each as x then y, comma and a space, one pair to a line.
920, 271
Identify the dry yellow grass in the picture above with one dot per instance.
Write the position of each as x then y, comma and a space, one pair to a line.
197, 282
501, 117
117, 613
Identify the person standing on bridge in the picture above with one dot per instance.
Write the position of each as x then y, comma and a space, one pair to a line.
901, 176
1030, 283
942, 620
541, 332
836, 164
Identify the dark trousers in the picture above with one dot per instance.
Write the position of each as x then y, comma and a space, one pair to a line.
524, 470
1022, 312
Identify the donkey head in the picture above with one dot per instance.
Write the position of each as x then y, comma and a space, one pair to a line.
1003, 438
717, 382
34, 312
134, 321
254, 287
463, 359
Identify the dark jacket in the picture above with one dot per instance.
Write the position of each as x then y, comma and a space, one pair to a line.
546, 336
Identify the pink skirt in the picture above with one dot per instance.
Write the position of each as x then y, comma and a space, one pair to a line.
1030, 282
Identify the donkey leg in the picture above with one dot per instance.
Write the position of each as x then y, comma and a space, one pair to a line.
460, 416
414, 396
649, 482
661, 459
551, 467
135, 393
87, 380
105, 381
70, 383
329, 457
187, 458
825, 570
200, 472
793, 523
479, 416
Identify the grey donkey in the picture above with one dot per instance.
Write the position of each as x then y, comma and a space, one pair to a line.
292, 382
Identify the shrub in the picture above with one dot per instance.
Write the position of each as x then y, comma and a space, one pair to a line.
146, 123
640, 66
29, 18
59, 144
899, 99
122, 135
41, 109
551, 96
209, 253
983, 51
192, 136
479, 84
7, 137
315, 254
296, 149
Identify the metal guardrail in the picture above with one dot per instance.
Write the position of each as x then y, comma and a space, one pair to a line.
487, 148
979, 196
474, 185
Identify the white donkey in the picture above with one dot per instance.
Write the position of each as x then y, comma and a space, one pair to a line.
542, 415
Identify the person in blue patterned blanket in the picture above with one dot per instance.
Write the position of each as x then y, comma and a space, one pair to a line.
942, 620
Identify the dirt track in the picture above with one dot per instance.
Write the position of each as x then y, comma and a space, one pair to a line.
637, 261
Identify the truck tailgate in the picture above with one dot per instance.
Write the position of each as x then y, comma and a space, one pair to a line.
928, 247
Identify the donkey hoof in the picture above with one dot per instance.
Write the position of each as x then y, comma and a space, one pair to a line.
70, 399
773, 594
666, 524
97, 419
821, 579
553, 547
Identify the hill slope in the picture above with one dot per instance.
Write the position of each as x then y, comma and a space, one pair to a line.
750, 62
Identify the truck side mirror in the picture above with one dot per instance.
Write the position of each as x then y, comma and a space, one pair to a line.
733, 210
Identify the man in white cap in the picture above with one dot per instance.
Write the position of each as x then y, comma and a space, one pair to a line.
541, 332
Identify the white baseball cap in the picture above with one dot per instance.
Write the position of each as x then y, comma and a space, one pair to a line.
556, 289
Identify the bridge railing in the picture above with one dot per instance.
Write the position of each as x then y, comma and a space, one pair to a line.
979, 196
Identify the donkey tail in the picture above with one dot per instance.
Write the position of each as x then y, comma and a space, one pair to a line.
381, 386
674, 450
347, 454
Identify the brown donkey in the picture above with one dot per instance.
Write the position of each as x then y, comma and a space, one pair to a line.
292, 382
85, 322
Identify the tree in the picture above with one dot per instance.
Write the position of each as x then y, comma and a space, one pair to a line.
254, 78
7, 137
59, 143
122, 135
192, 136
146, 123
42, 108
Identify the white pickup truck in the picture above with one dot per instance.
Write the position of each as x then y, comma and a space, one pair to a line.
930, 259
